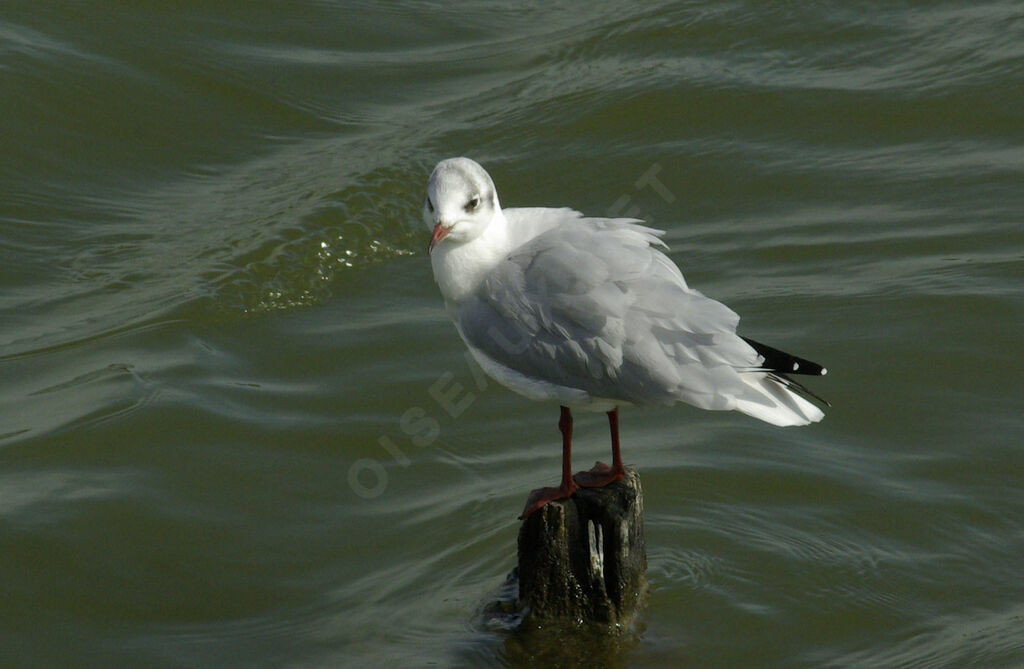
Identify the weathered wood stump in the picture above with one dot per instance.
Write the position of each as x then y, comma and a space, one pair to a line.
582, 559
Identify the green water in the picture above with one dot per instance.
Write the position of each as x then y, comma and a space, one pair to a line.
222, 350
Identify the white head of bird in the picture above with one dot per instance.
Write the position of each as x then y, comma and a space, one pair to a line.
461, 202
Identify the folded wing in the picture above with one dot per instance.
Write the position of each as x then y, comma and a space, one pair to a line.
595, 306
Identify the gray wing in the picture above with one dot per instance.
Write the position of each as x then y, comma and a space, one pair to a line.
593, 305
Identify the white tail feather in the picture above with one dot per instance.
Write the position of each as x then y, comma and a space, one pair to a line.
776, 404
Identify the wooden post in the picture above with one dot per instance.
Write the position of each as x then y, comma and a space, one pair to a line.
582, 559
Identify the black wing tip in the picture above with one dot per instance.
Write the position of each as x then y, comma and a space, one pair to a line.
781, 362
780, 365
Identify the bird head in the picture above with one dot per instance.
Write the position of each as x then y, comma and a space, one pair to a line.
461, 201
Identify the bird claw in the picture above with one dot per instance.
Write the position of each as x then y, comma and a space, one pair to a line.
598, 477
541, 496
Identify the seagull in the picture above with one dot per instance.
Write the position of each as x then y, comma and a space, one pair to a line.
590, 313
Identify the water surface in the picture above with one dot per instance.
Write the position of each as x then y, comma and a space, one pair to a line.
221, 348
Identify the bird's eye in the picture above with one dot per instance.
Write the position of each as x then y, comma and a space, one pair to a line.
430, 206
473, 203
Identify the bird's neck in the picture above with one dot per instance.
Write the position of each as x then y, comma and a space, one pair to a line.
459, 268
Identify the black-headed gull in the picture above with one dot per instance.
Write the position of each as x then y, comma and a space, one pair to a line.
589, 313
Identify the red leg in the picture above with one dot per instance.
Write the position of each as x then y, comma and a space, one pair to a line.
601, 475
542, 496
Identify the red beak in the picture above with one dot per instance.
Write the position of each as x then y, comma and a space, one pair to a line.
440, 232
